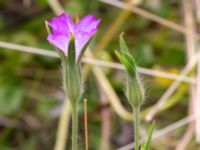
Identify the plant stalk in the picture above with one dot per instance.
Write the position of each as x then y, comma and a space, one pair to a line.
63, 126
74, 127
136, 111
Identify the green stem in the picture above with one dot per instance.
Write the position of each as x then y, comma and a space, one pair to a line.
136, 126
74, 127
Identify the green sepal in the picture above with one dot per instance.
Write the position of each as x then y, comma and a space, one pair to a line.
147, 145
128, 61
122, 44
73, 82
61, 55
130, 58
47, 27
132, 69
124, 61
71, 58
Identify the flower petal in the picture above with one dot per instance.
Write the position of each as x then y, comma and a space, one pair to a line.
62, 24
59, 25
81, 39
87, 24
61, 42
84, 30
63, 27
69, 21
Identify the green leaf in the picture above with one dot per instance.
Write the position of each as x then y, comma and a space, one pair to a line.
148, 142
10, 100
122, 44
45, 106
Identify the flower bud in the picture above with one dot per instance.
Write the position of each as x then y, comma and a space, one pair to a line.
134, 89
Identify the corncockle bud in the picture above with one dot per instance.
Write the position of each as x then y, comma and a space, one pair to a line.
134, 88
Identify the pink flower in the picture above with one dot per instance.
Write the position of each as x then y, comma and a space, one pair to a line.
63, 27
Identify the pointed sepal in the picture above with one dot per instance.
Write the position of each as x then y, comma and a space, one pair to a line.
71, 58
122, 44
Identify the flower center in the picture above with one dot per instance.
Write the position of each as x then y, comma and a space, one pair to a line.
71, 36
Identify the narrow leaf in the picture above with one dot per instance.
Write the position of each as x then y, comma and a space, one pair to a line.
148, 142
143, 147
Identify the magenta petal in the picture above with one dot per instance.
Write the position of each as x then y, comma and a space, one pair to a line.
59, 25
81, 39
84, 30
63, 27
87, 24
60, 42
69, 21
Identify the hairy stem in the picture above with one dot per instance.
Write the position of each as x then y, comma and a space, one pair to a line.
74, 127
136, 114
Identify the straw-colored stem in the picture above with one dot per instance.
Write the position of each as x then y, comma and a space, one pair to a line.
86, 124
63, 127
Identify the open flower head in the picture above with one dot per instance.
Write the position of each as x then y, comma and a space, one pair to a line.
64, 29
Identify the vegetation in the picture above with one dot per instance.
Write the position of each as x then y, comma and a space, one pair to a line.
31, 95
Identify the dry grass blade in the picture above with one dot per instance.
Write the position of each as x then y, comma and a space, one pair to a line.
198, 104
28, 49
146, 14
94, 61
86, 124
170, 90
165, 131
182, 145
63, 126
55, 5
190, 51
106, 121
113, 98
